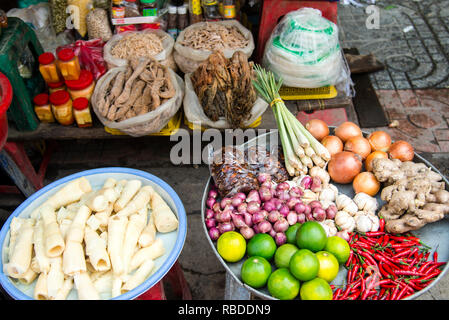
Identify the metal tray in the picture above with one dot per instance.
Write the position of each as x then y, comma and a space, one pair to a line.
433, 235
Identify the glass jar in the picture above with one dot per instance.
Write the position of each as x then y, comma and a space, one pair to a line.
48, 68
68, 64
172, 21
148, 8
62, 107
42, 108
183, 19
56, 86
131, 9
81, 111
229, 9
83, 87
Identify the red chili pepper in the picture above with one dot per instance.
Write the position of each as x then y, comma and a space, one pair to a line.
402, 292
337, 293
402, 254
351, 253
429, 276
403, 245
385, 241
394, 293
435, 256
374, 233
381, 225
424, 266
408, 273
414, 252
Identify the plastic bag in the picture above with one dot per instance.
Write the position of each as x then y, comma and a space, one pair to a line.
194, 111
38, 17
151, 122
236, 170
90, 55
164, 57
188, 58
304, 51
98, 24
82, 11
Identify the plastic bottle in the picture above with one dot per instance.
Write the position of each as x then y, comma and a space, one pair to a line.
211, 11
48, 68
183, 19
68, 64
195, 10
172, 21
81, 111
42, 108
62, 107
117, 9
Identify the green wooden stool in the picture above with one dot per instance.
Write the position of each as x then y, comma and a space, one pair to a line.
14, 41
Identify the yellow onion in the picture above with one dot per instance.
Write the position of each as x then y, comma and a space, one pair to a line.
348, 130
359, 145
367, 183
317, 128
333, 144
401, 150
344, 166
379, 141
372, 156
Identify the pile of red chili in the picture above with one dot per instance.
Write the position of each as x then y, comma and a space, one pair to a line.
384, 266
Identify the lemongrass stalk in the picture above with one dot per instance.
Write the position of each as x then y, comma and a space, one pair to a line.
293, 124
288, 166
309, 152
318, 161
307, 162
285, 139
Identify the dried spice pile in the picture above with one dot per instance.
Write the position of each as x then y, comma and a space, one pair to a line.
143, 87
214, 36
224, 87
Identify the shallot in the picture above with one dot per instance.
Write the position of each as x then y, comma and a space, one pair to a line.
210, 202
319, 214
284, 210
316, 184
224, 216
224, 202
331, 211
291, 203
236, 201
253, 196
274, 216
295, 192
209, 213
264, 226
238, 221
306, 182
301, 218
214, 233
265, 194
210, 223
269, 205
247, 232
242, 207
280, 238
300, 208
264, 177
213, 193
257, 217
292, 218
253, 207
225, 227
281, 225
248, 219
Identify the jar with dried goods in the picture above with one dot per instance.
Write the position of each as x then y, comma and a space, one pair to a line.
172, 21
56, 86
82, 87
117, 9
81, 112
131, 9
229, 9
98, 24
68, 64
62, 107
48, 68
183, 19
42, 108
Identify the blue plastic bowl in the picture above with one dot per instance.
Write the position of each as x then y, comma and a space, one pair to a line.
173, 241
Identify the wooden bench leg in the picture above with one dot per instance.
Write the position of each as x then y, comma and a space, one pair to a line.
234, 290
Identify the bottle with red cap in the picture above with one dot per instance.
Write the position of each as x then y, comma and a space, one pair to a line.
82, 87
56, 86
68, 64
81, 112
48, 68
62, 107
42, 108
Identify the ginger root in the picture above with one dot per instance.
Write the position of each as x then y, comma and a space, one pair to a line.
414, 195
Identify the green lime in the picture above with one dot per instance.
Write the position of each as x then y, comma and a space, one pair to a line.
339, 247
231, 246
304, 265
328, 266
311, 236
316, 289
262, 245
283, 285
291, 233
283, 255
255, 271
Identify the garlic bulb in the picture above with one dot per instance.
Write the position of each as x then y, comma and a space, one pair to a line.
326, 204
362, 222
329, 193
309, 196
329, 226
365, 202
375, 221
320, 173
345, 203
345, 221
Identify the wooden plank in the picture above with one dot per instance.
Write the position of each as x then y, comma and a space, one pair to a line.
53, 131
